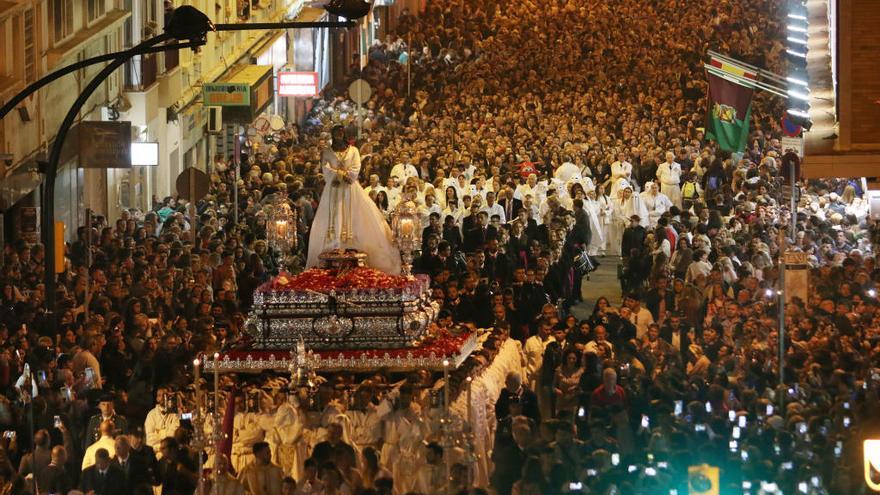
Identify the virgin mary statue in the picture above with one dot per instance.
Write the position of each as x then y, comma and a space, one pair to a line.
346, 217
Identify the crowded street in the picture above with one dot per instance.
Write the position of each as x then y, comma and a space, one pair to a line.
597, 296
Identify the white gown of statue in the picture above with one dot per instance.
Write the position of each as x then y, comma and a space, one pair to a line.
348, 219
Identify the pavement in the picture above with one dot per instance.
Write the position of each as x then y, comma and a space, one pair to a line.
602, 282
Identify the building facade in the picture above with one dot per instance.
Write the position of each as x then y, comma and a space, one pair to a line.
161, 95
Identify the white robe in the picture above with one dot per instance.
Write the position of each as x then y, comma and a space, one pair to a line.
402, 453
286, 433
619, 170
347, 218
597, 239
670, 180
246, 431
403, 171
656, 206
159, 426
538, 192
623, 210
606, 214
364, 428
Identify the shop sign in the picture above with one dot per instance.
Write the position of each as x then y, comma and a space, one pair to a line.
104, 144
226, 94
297, 84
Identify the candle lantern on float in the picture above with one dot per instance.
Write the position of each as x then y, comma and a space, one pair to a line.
281, 230
407, 231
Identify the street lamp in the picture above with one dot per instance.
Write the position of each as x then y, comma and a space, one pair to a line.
349, 9
186, 23
872, 462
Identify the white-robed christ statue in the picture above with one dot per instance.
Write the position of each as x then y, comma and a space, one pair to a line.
346, 217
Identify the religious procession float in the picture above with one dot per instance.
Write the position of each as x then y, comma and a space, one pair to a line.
346, 316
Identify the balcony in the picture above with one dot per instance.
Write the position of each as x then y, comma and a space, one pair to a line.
141, 72
172, 60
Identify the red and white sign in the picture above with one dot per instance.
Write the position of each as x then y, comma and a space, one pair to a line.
298, 84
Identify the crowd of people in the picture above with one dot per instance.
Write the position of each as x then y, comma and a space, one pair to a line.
537, 140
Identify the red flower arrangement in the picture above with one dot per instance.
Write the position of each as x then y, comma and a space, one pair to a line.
441, 343
321, 280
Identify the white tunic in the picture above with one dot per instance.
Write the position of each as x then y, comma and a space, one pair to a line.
364, 427
404, 433
246, 432
404, 171
159, 426
670, 180
619, 170
656, 204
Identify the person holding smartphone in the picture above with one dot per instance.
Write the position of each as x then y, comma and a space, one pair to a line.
86, 360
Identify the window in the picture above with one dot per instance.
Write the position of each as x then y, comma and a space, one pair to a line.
97, 9
30, 54
62, 20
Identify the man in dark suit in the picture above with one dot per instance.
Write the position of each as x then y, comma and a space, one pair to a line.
471, 221
103, 478
476, 237
55, 477
450, 261
176, 472
497, 265
136, 471
552, 359
143, 452
675, 332
429, 261
515, 391
434, 227
509, 204
660, 300
633, 238
451, 233
530, 225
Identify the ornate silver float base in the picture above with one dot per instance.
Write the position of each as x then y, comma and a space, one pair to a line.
332, 327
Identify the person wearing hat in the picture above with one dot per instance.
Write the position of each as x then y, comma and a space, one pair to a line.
107, 412
633, 237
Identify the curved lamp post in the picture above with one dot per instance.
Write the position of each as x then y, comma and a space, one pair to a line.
187, 24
